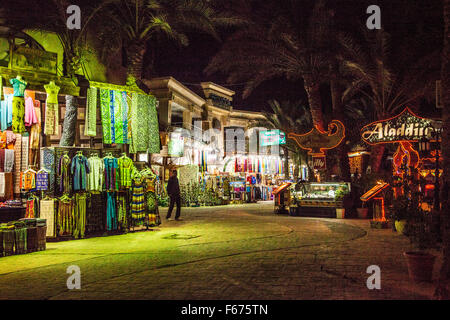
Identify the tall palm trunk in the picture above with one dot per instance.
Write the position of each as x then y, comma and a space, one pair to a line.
135, 59
315, 103
442, 289
338, 111
377, 152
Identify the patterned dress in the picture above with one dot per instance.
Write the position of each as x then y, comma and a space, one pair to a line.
138, 205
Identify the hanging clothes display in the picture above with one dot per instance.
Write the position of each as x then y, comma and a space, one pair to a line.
110, 178
150, 197
122, 211
114, 115
144, 124
42, 180
32, 209
35, 134
138, 213
70, 122
51, 109
79, 171
30, 112
90, 126
79, 223
6, 112
95, 219
64, 173
28, 180
111, 213
96, 173
126, 167
18, 105
65, 215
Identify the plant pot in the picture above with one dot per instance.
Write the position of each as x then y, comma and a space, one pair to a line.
400, 226
340, 213
420, 265
362, 213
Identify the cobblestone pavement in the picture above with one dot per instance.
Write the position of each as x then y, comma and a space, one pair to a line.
227, 252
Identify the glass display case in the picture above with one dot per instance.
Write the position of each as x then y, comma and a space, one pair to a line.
319, 199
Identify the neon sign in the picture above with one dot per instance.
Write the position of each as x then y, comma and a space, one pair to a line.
316, 140
404, 127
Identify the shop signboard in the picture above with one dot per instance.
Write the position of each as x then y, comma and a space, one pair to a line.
319, 163
24, 58
405, 127
176, 145
271, 138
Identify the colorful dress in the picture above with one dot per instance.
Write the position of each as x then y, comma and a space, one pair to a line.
138, 205
110, 165
126, 168
96, 172
150, 198
111, 213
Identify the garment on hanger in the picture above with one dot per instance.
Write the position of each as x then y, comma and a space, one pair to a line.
138, 211
79, 171
122, 211
64, 173
79, 216
30, 112
6, 112
28, 180
65, 215
125, 171
42, 180
70, 122
111, 213
96, 173
111, 165
95, 220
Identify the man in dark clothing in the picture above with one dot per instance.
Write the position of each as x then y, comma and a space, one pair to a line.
173, 189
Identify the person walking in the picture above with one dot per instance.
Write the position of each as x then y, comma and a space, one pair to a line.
173, 189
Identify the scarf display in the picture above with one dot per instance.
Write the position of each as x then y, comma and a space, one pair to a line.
144, 124
90, 126
114, 115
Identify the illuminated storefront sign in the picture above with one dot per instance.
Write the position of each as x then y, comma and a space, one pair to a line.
272, 138
33, 59
404, 127
316, 141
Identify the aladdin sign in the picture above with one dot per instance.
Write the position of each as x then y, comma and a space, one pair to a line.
404, 127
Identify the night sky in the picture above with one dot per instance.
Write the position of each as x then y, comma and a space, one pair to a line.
186, 64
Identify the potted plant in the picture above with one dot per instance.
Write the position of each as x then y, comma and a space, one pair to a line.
423, 238
399, 214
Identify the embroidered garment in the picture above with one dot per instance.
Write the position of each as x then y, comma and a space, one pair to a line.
17, 162
79, 170
96, 172
28, 180
35, 131
30, 112
18, 125
70, 122
51, 121
122, 212
90, 126
18, 86
47, 212
114, 114
25, 151
95, 213
144, 124
42, 181
6, 112
65, 216
64, 173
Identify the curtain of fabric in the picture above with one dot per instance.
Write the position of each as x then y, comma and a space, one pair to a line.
70, 122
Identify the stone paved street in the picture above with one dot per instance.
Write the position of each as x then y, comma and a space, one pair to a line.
227, 252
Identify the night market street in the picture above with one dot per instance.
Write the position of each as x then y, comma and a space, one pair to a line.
226, 252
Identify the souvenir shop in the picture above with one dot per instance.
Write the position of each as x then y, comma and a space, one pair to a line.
253, 178
70, 162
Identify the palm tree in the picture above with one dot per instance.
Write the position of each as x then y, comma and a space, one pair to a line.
390, 80
288, 117
278, 43
442, 289
132, 24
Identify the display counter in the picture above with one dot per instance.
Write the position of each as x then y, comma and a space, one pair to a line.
313, 199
